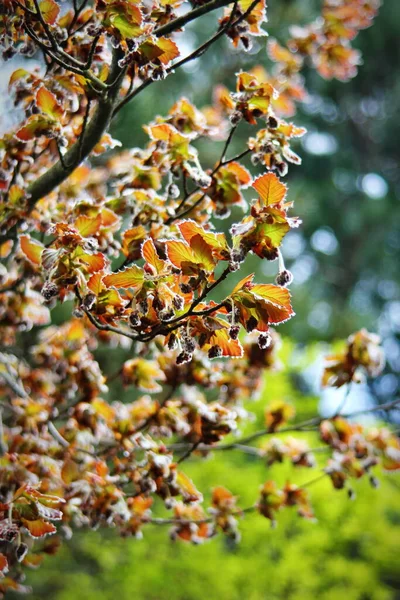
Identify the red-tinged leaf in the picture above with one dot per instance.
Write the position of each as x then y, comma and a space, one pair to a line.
15, 195
106, 143
151, 257
109, 218
169, 50
88, 226
229, 347
162, 131
189, 229
188, 490
36, 126
31, 493
145, 374
49, 10
278, 299
5, 248
270, 188
241, 173
3, 565
39, 528
32, 249
132, 277
179, 252
93, 262
19, 74
127, 20
223, 499
203, 253
245, 282
95, 283
70, 471
47, 102
102, 408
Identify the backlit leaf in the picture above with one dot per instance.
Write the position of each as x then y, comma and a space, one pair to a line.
39, 528
50, 10
47, 102
32, 249
270, 188
132, 277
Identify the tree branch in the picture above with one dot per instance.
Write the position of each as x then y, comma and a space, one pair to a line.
80, 149
191, 16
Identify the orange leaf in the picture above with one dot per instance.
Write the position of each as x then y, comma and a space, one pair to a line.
32, 249
245, 282
35, 126
169, 50
3, 565
150, 255
39, 528
49, 10
179, 252
95, 283
93, 262
88, 226
228, 346
47, 102
188, 490
132, 277
270, 188
278, 300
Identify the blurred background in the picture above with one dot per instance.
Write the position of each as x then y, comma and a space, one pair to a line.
345, 260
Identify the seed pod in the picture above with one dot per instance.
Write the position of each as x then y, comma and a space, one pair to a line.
89, 301
49, 290
173, 191
202, 339
166, 315
185, 288
234, 332
235, 117
251, 324
134, 319
178, 302
158, 305
284, 278
264, 340
215, 352
238, 254
143, 306
172, 341
272, 122
21, 551
183, 358
282, 168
